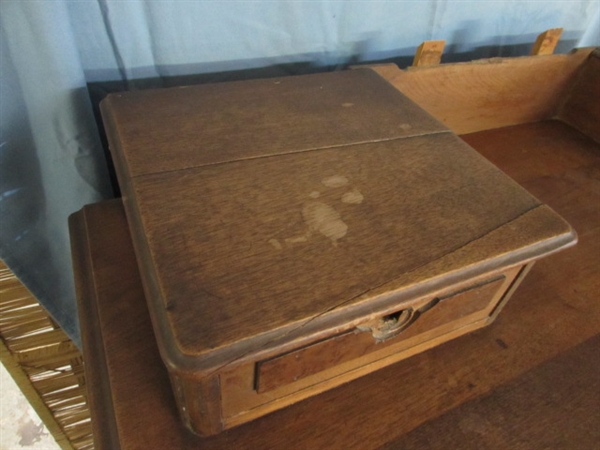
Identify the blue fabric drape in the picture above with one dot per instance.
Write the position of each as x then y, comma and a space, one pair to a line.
51, 160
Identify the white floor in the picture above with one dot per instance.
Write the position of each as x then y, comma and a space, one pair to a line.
20, 426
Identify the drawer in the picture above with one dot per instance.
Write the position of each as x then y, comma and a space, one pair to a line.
374, 335
392, 336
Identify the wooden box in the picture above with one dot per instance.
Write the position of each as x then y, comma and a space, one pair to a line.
294, 234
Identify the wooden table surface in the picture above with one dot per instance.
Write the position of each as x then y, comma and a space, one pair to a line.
528, 381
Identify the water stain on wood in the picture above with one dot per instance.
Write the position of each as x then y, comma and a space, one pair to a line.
354, 197
322, 218
335, 181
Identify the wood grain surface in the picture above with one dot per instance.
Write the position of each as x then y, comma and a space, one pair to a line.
97, 377
214, 249
490, 93
245, 248
554, 310
178, 128
550, 407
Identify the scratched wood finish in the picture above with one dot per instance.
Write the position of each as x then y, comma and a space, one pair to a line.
554, 310
562, 171
247, 252
214, 245
264, 204
492, 93
284, 233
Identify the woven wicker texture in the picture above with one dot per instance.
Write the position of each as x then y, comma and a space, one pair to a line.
45, 364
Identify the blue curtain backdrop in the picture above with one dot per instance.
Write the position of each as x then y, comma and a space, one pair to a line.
51, 158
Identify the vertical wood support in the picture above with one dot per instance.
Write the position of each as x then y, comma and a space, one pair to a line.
546, 42
429, 53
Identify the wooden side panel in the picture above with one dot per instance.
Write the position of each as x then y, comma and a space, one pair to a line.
582, 107
490, 93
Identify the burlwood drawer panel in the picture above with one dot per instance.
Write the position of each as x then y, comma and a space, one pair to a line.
255, 384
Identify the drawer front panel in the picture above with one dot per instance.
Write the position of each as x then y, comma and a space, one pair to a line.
252, 389
375, 335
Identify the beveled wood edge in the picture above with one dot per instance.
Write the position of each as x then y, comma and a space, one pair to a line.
99, 392
150, 283
323, 324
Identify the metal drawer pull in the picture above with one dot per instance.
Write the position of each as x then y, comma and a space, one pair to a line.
393, 324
